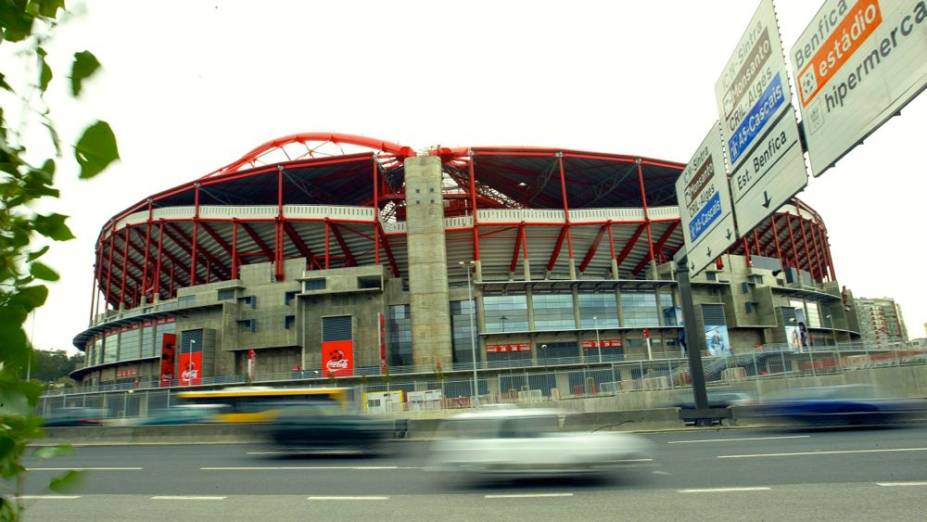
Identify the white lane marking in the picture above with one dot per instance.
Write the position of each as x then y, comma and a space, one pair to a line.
98, 468
738, 439
48, 497
302, 468
183, 497
635, 460
902, 484
725, 490
660, 472
530, 495
827, 452
349, 498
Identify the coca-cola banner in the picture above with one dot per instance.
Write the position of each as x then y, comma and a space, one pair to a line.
190, 368
337, 358
168, 346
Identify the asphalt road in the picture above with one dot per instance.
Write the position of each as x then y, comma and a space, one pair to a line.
697, 475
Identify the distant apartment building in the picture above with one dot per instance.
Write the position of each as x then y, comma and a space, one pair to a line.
880, 320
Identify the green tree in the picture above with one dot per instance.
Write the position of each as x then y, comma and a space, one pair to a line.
53, 365
26, 26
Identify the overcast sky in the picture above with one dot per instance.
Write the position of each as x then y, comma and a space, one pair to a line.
190, 86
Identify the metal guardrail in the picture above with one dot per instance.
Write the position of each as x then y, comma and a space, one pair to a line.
677, 365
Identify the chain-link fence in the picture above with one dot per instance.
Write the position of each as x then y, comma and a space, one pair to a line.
532, 384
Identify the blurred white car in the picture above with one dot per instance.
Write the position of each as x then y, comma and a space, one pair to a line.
530, 442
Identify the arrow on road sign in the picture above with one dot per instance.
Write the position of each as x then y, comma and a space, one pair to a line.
766, 200
708, 252
728, 237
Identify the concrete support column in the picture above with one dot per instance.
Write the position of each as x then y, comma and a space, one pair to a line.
428, 293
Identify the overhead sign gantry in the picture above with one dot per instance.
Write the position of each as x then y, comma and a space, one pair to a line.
758, 126
856, 65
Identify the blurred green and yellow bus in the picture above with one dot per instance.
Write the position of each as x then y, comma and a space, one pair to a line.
260, 404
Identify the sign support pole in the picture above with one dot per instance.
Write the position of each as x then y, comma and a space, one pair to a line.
702, 415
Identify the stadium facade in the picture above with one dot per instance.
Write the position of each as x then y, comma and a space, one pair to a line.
336, 255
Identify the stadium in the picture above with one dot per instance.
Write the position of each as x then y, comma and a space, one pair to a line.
330, 256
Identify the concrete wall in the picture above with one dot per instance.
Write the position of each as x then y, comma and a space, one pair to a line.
431, 331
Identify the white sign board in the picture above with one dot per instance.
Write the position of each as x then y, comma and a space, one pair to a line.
758, 125
705, 204
856, 65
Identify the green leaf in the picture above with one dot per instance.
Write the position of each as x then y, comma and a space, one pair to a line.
43, 271
52, 226
3, 84
85, 64
29, 298
45, 72
13, 403
37, 254
96, 149
16, 22
48, 452
67, 482
49, 8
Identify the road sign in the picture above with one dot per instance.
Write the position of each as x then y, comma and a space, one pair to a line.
758, 124
856, 65
705, 203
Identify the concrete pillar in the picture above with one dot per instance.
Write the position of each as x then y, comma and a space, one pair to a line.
428, 294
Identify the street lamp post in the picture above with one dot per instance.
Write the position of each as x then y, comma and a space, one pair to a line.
476, 384
190, 364
598, 345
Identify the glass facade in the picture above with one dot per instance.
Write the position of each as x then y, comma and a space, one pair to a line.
462, 335
672, 316
111, 347
399, 335
553, 312
604, 307
148, 341
814, 314
129, 347
506, 313
639, 309
553, 352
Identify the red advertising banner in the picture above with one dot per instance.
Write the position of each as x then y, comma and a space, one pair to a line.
191, 368
168, 347
382, 337
506, 348
604, 343
338, 358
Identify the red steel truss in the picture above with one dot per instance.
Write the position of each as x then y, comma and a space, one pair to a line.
206, 230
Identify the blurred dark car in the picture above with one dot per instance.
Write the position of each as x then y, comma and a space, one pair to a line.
317, 427
76, 416
850, 404
183, 414
717, 399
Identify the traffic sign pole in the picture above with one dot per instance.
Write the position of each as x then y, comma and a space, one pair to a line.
695, 347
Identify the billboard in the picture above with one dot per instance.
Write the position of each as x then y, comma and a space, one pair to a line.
717, 341
338, 358
168, 347
190, 366
705, 204
508, 348
603, 343
856, 65
758, 126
